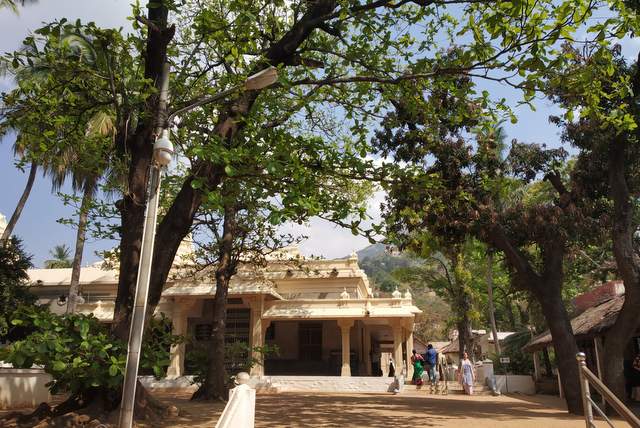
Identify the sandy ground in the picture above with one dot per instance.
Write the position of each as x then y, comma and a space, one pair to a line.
413, 409
408, 409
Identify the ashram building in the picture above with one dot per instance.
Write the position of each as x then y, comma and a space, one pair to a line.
321, 314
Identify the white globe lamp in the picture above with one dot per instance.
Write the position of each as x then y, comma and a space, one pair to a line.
163, 149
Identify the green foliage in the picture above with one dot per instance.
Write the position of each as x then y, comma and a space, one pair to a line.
520, 363
61, 258
79, 352
157, 343
76, 350
384, 270
14, 291
379, 267
238, 358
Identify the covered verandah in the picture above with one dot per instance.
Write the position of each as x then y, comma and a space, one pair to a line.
345, 337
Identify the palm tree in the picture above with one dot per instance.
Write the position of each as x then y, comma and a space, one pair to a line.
13, 4
21, 203
60, 258
71, 161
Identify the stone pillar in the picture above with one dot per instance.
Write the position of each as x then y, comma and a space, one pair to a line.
396, 327
177, 352
367, 350
345, 328
256, 335
409, 346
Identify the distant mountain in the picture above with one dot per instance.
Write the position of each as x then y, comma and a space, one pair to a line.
379, 265
371, 251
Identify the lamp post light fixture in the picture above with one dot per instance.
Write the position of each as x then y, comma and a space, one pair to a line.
163, 149
162, 154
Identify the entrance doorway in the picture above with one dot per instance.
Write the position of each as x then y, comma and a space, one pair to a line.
310, 341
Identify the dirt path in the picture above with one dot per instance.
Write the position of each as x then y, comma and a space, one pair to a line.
379, 411
412, 409
193, 414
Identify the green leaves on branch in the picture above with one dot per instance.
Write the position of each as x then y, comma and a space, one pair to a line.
79, 352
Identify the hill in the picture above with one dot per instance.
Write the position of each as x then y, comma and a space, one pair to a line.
379, 265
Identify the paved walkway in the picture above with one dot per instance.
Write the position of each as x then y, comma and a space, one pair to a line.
412, 409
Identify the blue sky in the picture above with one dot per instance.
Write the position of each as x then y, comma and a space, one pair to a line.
38, 227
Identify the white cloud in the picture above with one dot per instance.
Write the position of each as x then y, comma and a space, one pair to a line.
331, 241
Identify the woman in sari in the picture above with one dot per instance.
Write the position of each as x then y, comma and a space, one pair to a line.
467, 377
418, 367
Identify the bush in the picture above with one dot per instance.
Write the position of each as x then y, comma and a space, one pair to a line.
238, 357
158, 340
79, 352
14, 291
521, 363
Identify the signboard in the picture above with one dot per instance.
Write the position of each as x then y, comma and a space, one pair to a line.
505, 360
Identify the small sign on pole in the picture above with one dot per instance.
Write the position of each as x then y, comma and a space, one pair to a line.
505, 360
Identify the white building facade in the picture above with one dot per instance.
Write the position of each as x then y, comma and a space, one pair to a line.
321, 315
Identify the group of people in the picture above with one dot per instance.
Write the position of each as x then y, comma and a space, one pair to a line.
432, 363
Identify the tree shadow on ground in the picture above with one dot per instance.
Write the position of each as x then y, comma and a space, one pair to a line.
193, 414
386, 411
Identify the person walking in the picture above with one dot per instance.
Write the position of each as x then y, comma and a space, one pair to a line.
431, 359
466, 376
418, 368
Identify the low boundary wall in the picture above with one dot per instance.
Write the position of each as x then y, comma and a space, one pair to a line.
515, 383
22, 388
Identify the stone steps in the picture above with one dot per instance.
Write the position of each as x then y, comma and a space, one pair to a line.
335, 384
453, 388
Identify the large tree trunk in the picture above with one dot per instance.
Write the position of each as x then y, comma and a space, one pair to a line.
548, 293
177, 222
492, 312
547, 289
140, 147
87, 199
465, 335
510, 315
628, 263
21, 203
547, 362
214, 386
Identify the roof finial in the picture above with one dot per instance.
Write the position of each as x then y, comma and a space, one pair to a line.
396, 293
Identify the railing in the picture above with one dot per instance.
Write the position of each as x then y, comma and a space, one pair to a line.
587, 378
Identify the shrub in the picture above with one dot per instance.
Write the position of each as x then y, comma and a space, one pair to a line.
14, 292
520, 363
79, 352
238, 358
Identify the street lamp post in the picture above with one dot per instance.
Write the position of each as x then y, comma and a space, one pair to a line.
162, 154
